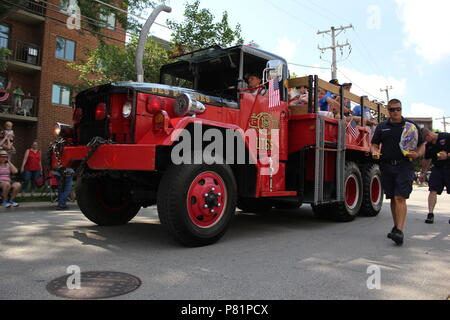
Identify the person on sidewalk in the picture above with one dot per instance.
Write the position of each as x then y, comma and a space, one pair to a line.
31, 167
65, 182
438, 153
397, 169
9, 187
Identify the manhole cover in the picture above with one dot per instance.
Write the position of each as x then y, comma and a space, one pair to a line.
95, 285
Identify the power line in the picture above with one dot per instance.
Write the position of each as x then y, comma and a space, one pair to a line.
290, 15
364, 52
356, 85
306, 66
98, 23
129, 13
334, 46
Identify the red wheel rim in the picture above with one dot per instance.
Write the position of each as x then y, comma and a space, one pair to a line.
351, 192
375, 190
206, 199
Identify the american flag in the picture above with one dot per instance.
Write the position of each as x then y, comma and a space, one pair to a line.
352, 128
274, 93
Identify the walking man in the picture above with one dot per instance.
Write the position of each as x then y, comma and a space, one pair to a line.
397, 170
438, 153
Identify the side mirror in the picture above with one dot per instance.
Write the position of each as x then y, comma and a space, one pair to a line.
274, 69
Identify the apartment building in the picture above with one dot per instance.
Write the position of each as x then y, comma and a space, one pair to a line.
42, 45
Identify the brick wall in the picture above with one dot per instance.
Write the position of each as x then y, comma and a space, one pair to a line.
54, 70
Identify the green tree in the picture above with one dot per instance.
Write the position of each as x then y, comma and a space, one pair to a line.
4, 54
109, 63
198, 30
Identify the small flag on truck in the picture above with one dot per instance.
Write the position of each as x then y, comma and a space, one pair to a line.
352, 128
274, 93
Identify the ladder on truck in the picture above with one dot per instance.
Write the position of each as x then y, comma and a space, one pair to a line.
320, 153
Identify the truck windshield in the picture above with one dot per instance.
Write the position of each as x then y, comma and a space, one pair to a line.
216, 76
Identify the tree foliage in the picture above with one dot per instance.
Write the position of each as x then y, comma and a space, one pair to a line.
4, 55
198, 30
109, 63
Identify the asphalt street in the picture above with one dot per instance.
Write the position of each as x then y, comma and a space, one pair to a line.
285, 255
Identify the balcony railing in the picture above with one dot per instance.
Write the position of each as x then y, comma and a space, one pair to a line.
22, 51
36, 7
27, 106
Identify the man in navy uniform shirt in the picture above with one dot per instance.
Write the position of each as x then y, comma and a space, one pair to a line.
438, 152
397, 170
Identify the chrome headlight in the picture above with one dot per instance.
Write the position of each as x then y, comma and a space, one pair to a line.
185, 105
126, 109
63, 130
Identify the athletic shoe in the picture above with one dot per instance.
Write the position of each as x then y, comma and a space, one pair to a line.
397, 236
390, 233
430, 219
58, 207
6, 204
14, 204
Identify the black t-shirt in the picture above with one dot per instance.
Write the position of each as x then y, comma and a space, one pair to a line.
442, 144
389, 134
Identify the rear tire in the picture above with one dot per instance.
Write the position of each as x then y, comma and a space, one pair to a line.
106, 201
372, 191
353, 194
197, 202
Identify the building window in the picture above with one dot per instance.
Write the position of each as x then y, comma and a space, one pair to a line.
61, 95
65, 49
108, 20
3, 81
4, 36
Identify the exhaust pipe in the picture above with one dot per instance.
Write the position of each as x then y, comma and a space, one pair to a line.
143, 39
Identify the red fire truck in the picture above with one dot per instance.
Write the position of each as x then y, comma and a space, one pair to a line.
124, 136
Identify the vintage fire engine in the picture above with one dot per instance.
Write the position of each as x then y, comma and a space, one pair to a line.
124, 137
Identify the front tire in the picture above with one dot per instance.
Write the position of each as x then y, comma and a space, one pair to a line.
105, 201
197, 202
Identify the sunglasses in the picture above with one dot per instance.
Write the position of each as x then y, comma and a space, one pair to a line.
395, 109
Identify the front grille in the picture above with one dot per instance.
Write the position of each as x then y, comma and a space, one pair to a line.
88, 127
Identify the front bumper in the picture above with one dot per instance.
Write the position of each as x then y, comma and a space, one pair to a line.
111, 157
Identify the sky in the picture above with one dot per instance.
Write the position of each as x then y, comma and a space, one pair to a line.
399, 43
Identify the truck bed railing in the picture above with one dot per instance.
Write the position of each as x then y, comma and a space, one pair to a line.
313, 83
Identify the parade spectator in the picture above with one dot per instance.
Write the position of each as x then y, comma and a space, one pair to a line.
18, 95
65, 182
10, 189
7, 130
31, 167
299, 96
368, 118
438, 153
7, 139
397, 170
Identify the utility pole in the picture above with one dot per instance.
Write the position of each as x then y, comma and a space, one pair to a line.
334, 33
387, 92
444, 122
